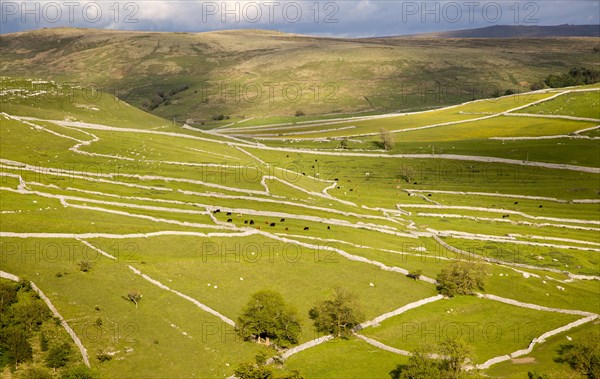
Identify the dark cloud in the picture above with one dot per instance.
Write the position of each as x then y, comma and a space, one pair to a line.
358, 18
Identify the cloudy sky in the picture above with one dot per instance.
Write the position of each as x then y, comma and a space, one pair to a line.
345, 18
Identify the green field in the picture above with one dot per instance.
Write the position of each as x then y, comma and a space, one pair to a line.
137, 196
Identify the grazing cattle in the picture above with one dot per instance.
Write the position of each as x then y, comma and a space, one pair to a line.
286, 228
272, 224
258, 227
245, 221
251, 222
541, 206
304, 173
429, 195
229, 220
266, 222
516, 202
216, 211
312, 166
306, 228
328, 227
415, 183
351, 189
282, 220
228, 213
336, 179
339, 188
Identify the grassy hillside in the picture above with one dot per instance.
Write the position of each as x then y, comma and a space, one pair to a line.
197, 221
200, 76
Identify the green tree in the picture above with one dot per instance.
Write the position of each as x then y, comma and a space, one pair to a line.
31, 314
15, 345
43, 341
455, 353
337, 315
250, 370
268, 318
446, 360
584, 355
387, 139
78, 372
420, 366
461, 278
535, 375
35, 373
8, 296
58, 355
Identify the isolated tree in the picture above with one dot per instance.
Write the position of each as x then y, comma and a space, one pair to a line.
387, 139
134, 296
461, 278
344, 143
300, 113
584, 355
58, 355
338, 315
268, 318
85, 265
407, 173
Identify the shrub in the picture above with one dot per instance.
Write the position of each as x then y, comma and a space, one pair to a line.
85, 265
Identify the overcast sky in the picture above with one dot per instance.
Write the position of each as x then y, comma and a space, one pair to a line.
347, 18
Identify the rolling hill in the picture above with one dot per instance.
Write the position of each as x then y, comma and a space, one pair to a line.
217, 78
520, 31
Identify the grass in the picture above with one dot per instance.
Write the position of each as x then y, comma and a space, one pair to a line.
490, 328
242, 266
155, 181
395, 74
573, 104
543, 357
351, 358
152, 333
